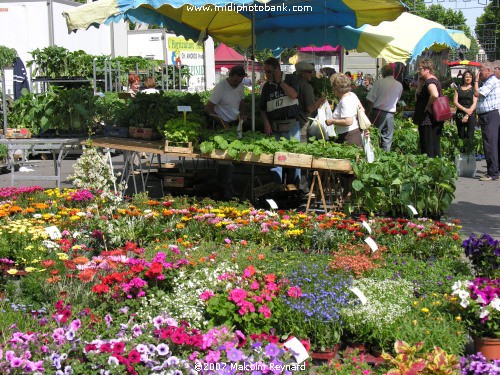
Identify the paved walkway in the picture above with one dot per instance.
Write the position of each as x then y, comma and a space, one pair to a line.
476, 204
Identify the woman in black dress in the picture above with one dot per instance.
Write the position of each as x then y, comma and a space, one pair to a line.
465, 101
428, 90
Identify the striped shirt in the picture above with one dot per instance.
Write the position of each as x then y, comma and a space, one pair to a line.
489, 95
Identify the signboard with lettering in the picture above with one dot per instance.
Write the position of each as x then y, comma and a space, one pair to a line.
187, 53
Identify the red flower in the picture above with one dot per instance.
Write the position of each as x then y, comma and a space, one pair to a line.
134, 356
90, 347
47, 263
100, 289
294, 292
106, 348
118, 348
178, 337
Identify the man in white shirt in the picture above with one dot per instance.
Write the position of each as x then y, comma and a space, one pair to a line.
382, 101
226, 106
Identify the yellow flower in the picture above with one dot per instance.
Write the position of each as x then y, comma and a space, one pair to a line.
424, 310
30, 269
458, 318
12, 271
62, 256
414, 322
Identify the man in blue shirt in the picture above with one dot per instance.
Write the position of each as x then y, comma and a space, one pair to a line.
488, 105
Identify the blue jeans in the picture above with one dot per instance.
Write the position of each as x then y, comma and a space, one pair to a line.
278, 171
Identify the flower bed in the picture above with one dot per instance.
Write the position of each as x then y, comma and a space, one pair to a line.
179, 286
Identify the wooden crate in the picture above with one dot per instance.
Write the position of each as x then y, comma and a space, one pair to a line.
143, 133
13, 133
219, 154
179, 148
250, 157
185, 179
340, 165
289, 159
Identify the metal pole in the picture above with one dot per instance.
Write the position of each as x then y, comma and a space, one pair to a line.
94, 75
119, 83
105, 75
50, 14
4, 104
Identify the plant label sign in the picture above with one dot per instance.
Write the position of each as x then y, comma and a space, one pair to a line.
367, 227
272, 204
359, 294
184, 108
53, 232
371, 243
296, 346
412, 209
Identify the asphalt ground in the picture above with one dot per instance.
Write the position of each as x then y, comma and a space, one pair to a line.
476, 203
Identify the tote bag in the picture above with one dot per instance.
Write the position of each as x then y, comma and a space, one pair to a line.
441, 109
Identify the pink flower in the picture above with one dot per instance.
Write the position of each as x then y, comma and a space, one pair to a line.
237, 295
212, 356
245, 307
294, 292
255, 285
264, 310
206, 295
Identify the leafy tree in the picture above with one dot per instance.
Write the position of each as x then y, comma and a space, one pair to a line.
450, 19
487, 30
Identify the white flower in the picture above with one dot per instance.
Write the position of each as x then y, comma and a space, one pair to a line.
495, 303
480, 299
483, 313
463, 294
113, 361
464, 303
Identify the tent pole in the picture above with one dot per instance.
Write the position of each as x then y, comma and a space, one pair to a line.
4, 104
252, 176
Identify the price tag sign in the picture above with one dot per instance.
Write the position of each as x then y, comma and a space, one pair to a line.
359, 294
296, 346
412, 209
184, 108
367, 227
371, 243
272, 204
53, 232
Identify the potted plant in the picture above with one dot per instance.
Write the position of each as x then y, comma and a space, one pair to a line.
484, 253
480, 302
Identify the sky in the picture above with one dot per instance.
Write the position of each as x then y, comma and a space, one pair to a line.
471, 9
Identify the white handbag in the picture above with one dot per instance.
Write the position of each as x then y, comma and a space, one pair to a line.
363, 120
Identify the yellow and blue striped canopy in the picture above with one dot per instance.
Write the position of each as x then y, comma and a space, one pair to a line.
403, 39
277, 23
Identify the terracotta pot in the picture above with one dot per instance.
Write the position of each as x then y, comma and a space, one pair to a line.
489, 347
326, 356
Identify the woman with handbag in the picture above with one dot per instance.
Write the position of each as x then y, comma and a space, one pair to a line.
466, 102
428, 91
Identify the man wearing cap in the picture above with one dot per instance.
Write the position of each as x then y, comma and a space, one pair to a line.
307, 104
382, 101
279, 107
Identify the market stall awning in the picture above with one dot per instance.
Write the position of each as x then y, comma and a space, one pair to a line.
401, 40
276, 23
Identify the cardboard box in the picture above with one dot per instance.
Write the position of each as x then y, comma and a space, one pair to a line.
289, 159
143, 133
179, 148
250, 157
338, 165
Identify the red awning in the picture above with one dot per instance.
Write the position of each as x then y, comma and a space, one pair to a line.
463, 62
225, 53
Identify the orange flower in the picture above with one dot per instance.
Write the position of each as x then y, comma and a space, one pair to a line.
81, 260
54, 272
87, 275
52, 280
47, 263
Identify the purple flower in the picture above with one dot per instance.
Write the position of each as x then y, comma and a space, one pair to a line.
16, 362
234, 354
271, 350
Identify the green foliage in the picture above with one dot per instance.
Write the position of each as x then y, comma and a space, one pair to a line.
7, 56
176, 130
391, 183
4, 151
486, 25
